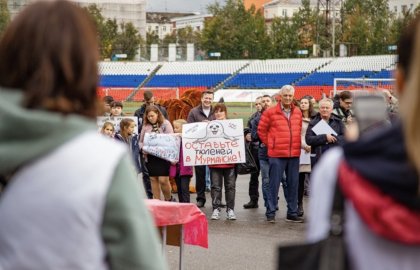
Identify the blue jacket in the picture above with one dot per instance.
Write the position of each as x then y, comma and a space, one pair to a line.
133, 144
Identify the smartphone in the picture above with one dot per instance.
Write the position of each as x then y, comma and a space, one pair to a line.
371, 112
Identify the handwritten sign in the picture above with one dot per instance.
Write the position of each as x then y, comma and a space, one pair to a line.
165, 146
116, 121
215, 142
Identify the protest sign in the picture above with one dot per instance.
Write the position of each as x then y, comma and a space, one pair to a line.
165, 146
116, 121
215, 142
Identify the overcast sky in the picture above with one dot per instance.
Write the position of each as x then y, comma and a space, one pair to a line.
180, 5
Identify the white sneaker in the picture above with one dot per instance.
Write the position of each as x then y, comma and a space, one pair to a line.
231, 215
216, 214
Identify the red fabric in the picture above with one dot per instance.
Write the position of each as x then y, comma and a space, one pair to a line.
188, 214
281, 135
383, 215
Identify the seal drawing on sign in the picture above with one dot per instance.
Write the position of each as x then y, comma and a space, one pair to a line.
215, 129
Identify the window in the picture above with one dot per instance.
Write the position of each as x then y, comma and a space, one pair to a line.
284, 12
404, 8
164, 28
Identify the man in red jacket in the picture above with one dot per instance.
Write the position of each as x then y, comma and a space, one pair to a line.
280, 130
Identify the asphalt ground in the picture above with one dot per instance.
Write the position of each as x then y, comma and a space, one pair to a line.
249, 242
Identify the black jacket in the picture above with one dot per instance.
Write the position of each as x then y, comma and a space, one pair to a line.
319, 143
140, 114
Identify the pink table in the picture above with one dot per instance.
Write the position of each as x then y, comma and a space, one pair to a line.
192, 221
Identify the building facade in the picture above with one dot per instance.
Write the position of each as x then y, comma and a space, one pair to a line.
133, 11
257, 3
401, 6
196, 22
160, 22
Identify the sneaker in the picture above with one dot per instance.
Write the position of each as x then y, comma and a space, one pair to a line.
300, 211
251, 204
231, 215
294, 219
216, 214
271, 219
200, 204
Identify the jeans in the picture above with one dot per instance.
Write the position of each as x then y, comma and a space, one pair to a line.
208, 179
200, 182
277, 168
253, 181
218, 176
146, 178
265, 179
183, 186
302, 179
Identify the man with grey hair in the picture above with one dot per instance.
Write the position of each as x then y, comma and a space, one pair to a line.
321, 142
280, 130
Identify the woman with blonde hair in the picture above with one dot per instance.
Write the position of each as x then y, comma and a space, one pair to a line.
378, 176
72, 200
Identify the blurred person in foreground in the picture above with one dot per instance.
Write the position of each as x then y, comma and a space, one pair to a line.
379, 177
71, 199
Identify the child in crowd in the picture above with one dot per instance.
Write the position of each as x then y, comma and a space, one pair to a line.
108, 129
107, 101
116, 109
222, 174
181, 173
127, 135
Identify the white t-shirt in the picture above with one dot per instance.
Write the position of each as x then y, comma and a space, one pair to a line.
206, 112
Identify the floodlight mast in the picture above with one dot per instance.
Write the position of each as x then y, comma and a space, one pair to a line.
328, 8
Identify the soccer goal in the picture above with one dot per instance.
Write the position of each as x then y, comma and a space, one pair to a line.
362, 85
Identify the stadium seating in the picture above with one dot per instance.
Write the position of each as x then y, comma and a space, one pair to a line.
350, 67
313, 76
275, 73
194, 74
124, 74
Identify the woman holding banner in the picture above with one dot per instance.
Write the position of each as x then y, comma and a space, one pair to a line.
158, 168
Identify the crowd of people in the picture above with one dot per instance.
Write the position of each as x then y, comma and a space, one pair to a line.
99, 200
278, 135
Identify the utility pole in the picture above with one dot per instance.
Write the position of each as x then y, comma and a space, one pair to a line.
327, 7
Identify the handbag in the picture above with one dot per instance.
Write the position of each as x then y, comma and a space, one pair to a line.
326, 254
250, 166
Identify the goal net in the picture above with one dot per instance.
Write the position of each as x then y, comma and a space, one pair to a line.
362, 85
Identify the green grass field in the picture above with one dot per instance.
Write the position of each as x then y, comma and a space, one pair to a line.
236, 110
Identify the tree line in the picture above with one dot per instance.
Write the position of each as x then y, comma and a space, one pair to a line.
366, 27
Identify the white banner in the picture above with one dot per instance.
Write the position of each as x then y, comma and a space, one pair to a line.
116, 121
215, 142
165, 146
